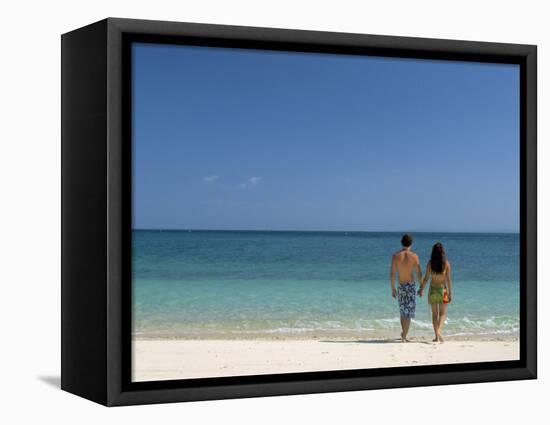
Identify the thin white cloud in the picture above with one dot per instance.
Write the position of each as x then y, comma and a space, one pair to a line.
210, 179
255, 181
251, 182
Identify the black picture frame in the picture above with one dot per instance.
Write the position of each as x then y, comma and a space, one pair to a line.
96, 211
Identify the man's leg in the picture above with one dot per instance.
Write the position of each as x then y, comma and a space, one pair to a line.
405, 324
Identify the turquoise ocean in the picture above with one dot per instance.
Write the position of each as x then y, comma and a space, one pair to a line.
278, 284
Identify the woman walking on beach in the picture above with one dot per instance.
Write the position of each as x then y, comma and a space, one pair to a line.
440, 293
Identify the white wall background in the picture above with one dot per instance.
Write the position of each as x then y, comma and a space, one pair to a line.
30, 209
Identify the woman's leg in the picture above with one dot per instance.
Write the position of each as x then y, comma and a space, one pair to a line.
435, 320
442, 314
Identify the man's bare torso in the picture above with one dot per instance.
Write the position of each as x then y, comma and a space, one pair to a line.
405, 262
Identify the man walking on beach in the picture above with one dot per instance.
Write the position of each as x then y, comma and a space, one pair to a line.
405, 263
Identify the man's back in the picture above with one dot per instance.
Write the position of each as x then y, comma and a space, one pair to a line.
405, 262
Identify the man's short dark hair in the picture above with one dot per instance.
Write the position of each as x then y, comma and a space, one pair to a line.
406, 240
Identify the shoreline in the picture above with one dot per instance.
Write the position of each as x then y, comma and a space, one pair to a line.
318, 335
165, 359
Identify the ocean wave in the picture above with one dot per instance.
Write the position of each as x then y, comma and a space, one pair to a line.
494, 325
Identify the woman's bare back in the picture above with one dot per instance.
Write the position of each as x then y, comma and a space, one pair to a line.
437, 279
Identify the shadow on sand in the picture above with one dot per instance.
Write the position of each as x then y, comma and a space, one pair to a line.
375, 341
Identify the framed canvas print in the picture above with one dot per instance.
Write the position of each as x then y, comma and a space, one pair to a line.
252, 212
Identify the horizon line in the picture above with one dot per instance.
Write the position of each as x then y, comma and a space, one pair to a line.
326, 231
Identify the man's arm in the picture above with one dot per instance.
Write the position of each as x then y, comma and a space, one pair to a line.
392, 275
418, 270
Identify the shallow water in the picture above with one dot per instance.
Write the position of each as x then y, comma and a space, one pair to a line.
247, 283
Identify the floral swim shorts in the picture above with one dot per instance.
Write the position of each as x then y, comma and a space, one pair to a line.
406, 297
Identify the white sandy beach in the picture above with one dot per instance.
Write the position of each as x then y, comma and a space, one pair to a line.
183, 359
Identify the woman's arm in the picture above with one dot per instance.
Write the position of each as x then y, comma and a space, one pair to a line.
449, 281
426, 277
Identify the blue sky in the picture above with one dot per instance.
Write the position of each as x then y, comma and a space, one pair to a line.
248, 139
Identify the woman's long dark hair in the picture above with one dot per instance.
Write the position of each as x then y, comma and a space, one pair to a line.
438, 259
